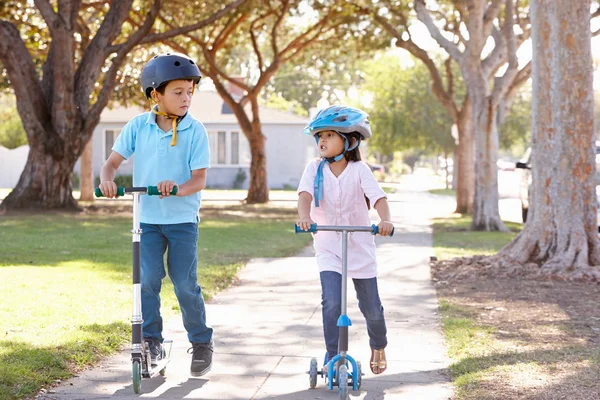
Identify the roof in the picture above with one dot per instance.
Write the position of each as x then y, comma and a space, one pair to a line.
207, 106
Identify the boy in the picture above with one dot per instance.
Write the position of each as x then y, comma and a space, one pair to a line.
171, 150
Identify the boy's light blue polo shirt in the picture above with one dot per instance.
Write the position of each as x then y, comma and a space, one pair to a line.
156, 161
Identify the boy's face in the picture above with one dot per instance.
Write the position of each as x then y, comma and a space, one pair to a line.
330, 143
177, 97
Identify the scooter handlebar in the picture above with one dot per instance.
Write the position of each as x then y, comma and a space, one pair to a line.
374, 229
150, 191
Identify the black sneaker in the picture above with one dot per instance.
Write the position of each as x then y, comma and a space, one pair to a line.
155, 347
201, 358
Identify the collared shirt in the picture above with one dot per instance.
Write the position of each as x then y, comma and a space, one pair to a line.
156, 161
344, 204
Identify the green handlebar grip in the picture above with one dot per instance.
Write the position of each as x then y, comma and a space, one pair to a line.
153, 191
120, 192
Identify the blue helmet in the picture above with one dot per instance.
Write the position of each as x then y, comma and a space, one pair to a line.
341, 119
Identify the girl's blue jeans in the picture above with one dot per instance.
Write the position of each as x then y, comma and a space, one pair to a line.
181, 241
368, 303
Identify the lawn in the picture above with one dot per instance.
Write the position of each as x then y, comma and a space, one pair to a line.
65, 281
513, 338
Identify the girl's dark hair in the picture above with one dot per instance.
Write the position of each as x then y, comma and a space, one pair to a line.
354, 154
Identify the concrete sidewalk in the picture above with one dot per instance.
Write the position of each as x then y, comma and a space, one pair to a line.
269, 326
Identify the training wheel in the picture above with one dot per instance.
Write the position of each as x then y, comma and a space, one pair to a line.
312, 373
136, 376
359, 377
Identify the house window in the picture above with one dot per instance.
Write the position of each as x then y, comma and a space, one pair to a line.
228, 148
110, 136
235, 147
222, 148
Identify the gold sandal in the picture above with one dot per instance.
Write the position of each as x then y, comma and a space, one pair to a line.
378, 361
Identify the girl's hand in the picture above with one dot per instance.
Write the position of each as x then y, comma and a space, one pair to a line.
165, 188
108, 189
385, 228
304, 223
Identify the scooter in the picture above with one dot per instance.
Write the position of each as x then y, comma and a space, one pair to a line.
140, 351
340, 376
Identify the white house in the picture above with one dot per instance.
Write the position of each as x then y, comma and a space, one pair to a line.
287, 149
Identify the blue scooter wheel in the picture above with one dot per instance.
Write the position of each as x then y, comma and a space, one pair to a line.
343, 382
312, 373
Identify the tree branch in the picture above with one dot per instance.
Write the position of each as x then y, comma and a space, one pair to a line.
96, 54
491, 13
158, 37
45, 8
23, 78
503, 84
435, 33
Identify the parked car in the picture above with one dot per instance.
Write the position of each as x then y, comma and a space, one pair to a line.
524, 166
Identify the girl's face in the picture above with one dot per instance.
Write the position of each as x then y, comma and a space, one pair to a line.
177, 97
330, 144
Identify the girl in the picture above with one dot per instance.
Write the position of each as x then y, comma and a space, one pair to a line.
343, 187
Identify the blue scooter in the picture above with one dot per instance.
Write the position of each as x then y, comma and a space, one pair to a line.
342, 377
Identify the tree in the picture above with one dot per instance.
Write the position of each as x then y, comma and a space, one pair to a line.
259, 37
485, 21
561, 231
63, 60
405, 113
396, 19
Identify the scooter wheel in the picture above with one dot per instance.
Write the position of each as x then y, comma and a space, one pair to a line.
312, 373
359, 375
136, 376
343, 382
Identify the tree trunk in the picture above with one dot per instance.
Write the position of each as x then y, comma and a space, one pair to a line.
86, 178
486, 213
561, 231
465, 162
44, 184
258, 189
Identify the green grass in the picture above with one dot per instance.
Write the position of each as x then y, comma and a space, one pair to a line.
445, 192
452, 238
470, 345
66, 286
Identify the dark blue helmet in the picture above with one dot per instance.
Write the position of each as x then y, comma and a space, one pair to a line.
167, 67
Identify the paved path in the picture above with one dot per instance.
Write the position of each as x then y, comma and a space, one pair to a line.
269, 326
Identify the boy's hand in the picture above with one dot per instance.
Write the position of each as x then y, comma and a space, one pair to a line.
385, 228
304, 223
108, 189
165, 188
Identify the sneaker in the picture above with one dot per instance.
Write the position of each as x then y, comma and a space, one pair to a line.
201, 358
155, 347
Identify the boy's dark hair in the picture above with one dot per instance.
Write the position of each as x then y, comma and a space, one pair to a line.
161, 88
354, 154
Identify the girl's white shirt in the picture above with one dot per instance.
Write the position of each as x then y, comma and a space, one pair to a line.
344, 203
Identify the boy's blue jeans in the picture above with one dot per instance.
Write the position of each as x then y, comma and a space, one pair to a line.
368, 303
181, 241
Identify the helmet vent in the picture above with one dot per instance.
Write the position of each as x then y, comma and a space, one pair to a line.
177, 64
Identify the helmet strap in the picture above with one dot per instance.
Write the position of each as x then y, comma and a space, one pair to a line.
174, 118
318, 186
